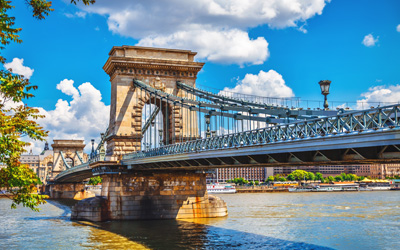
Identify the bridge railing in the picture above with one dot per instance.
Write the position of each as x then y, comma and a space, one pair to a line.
381, 118
69, 171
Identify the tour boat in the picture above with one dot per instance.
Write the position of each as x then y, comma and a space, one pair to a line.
217, 188
375, 185
379, 186
336, 187
330, 188
302, 189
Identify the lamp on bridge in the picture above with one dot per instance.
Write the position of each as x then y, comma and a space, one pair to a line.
325, 84
160, 134
92, 154
208, 132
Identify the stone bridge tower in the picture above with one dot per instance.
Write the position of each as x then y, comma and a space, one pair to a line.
161, 69
69, 151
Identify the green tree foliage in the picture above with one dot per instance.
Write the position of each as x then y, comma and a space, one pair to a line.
319, 177
281, 178
310, 176
270, 179
240, 181
290, 177
16, 122
95, 180
257, 183
299, 175
338, 178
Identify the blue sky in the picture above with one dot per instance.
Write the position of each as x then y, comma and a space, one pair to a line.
295, 43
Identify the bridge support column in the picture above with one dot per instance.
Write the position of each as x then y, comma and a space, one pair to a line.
176, 195
69, 191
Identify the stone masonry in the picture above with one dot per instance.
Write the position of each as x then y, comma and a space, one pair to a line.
159, 68
175, 195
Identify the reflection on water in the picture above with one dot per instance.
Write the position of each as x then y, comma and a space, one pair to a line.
256, 221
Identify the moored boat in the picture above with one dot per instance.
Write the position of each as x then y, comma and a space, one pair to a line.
302, 189
375, 185
335, 187
217, 188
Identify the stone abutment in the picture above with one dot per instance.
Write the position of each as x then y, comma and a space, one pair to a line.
138, 196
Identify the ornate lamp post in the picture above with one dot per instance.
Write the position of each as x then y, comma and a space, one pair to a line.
325, 84
160, 134
208, 133
92, 154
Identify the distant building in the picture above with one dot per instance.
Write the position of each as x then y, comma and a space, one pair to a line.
49, 163
376, 171
248, 173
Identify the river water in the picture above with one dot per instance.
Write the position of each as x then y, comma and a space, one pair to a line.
353, 220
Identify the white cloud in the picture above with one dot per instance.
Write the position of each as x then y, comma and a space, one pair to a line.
369, 40
189, 24
67, 87
398, 28
79, 14
84, 117
217, 46
17, 67
379, 95
69, 15
266, 84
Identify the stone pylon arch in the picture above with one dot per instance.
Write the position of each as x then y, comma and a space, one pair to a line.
67, 149
159, 68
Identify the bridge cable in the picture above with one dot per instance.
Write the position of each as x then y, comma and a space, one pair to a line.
65, 162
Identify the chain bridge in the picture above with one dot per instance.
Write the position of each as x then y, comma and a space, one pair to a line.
164, 132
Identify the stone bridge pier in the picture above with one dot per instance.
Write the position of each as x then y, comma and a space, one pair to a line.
68, 191
151, 195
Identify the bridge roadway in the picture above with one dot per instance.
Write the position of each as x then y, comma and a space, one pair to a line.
360, 137
359, 148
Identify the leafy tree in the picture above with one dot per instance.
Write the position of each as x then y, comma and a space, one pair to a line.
351, 177
330, 179
257, 183
299, 174
240, 181
290, 177
251, 183
270, 179
338, 178
18, 120
95, 180
310, 176
345, 177
318, 176
281, 178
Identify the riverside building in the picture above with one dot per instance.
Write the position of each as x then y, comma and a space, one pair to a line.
375, 171
50, 162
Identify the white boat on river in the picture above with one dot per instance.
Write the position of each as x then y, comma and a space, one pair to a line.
217, 188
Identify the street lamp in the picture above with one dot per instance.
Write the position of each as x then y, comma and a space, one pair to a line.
160, 133
325, 84
208, 133
92, 154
